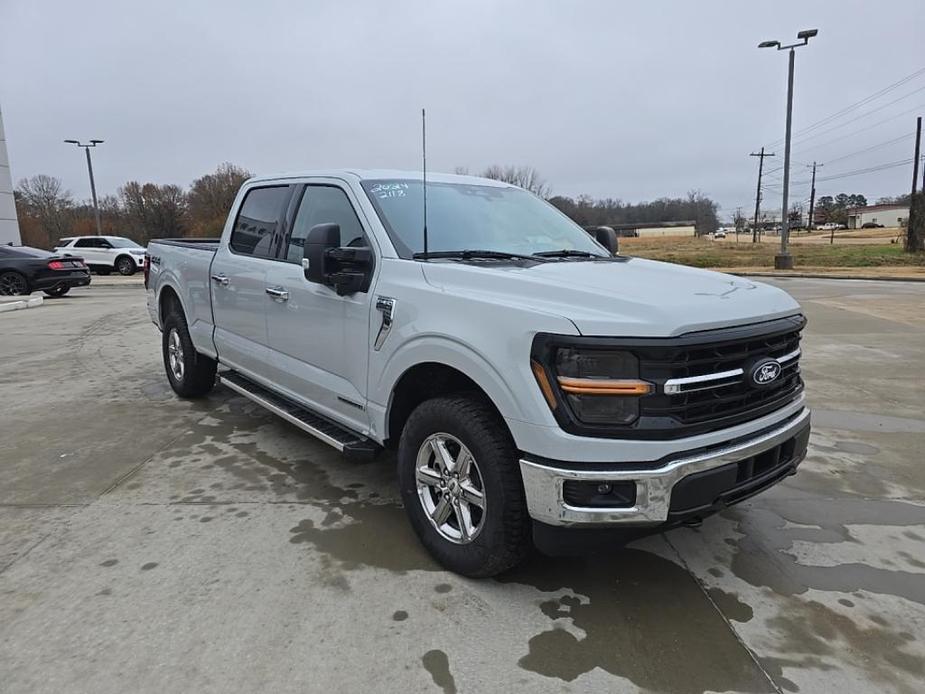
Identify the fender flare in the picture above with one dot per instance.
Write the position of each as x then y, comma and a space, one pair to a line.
439, 349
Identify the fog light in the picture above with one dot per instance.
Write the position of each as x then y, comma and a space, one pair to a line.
599, 494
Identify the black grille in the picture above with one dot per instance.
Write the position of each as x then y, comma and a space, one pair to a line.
674, 415
733, 397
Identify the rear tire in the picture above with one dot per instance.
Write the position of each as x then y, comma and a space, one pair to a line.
125, 265
190, 373
497, 535
13, 284
58, 290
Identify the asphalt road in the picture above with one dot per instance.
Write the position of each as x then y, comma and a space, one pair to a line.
149, 544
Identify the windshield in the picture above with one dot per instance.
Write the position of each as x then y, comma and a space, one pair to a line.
119, 242
463, 216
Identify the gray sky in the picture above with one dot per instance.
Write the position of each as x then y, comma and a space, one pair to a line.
631, 100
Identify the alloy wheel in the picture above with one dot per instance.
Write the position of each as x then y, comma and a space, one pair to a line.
175, 355
12, 284
450, 488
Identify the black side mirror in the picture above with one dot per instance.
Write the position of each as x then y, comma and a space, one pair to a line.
321, 239
347, 269
607, 237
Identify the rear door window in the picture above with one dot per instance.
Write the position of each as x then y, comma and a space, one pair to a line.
258, 222
324, 205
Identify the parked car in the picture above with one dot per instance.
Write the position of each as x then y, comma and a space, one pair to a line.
103, 254
534, 384
719, 234
24, 270
871, 225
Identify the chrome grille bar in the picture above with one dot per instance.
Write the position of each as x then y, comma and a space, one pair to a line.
690, 384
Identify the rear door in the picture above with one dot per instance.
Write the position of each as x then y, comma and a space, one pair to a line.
90, 248
319, 341
238, 278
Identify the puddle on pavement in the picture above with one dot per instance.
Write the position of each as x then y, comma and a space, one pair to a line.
767, 532
438, 665
633, 607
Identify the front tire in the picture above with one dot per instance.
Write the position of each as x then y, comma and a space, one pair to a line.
190, 373
13, 284
461, 486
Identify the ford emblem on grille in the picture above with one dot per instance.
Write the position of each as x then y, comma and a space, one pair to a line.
765, 372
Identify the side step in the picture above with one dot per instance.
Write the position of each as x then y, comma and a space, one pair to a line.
350, 444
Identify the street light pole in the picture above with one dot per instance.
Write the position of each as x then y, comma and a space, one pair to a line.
783, 260
96, 207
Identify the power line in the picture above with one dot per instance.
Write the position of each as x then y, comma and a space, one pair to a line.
856, 105
901, 138
812, 136
865, 128
869, 169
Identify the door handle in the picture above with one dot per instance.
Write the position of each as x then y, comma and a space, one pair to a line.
221, 279
278, 293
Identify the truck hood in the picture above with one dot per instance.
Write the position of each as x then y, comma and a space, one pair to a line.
635, 297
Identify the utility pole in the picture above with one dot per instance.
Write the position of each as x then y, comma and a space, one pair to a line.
914, 240
812, 198
96, 207
761, 155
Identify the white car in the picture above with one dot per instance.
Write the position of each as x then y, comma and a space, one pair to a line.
719, 234
103, 254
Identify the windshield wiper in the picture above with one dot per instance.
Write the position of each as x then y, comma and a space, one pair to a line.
569, 253
473, 254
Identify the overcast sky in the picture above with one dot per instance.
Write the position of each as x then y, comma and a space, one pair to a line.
632, 100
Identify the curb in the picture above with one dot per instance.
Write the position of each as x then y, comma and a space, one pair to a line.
32, 302
806, 275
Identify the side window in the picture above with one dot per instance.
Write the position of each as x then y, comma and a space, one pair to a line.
103, 243
258, 221
324, 205
85, 243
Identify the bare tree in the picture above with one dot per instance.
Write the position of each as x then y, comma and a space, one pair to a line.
51, 206
210, 198
525, 177
153, 210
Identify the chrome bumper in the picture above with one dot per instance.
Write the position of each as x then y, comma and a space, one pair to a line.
543, 483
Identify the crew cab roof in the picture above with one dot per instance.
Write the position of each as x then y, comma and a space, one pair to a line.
377, 174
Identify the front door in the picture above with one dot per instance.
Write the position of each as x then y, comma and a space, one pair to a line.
319, 341
238, 278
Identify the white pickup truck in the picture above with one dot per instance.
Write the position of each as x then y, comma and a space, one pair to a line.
536, 385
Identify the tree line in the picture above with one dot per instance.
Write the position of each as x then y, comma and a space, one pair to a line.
139, 211
142, 211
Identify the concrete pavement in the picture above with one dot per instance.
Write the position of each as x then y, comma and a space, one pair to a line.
149, 544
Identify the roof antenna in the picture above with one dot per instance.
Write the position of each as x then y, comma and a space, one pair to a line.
424, 157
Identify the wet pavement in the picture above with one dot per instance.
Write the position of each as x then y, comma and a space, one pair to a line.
152, 544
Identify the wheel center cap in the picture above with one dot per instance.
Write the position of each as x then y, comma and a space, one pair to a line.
453, 487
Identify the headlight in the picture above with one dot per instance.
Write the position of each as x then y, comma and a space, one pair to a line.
599, 386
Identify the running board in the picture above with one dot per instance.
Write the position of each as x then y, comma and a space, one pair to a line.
322, 428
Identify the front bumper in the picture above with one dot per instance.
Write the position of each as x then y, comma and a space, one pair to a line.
544, 482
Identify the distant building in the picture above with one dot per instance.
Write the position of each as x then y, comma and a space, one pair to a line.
9, 226
887, 215
642, 229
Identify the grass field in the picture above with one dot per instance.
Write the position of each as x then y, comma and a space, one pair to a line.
876, 252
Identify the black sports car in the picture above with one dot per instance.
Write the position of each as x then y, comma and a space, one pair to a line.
24, 270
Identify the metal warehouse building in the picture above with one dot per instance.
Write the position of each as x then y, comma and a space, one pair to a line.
9, 227
887, 215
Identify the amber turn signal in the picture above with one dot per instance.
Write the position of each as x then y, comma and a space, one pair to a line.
540, 373
604, 386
